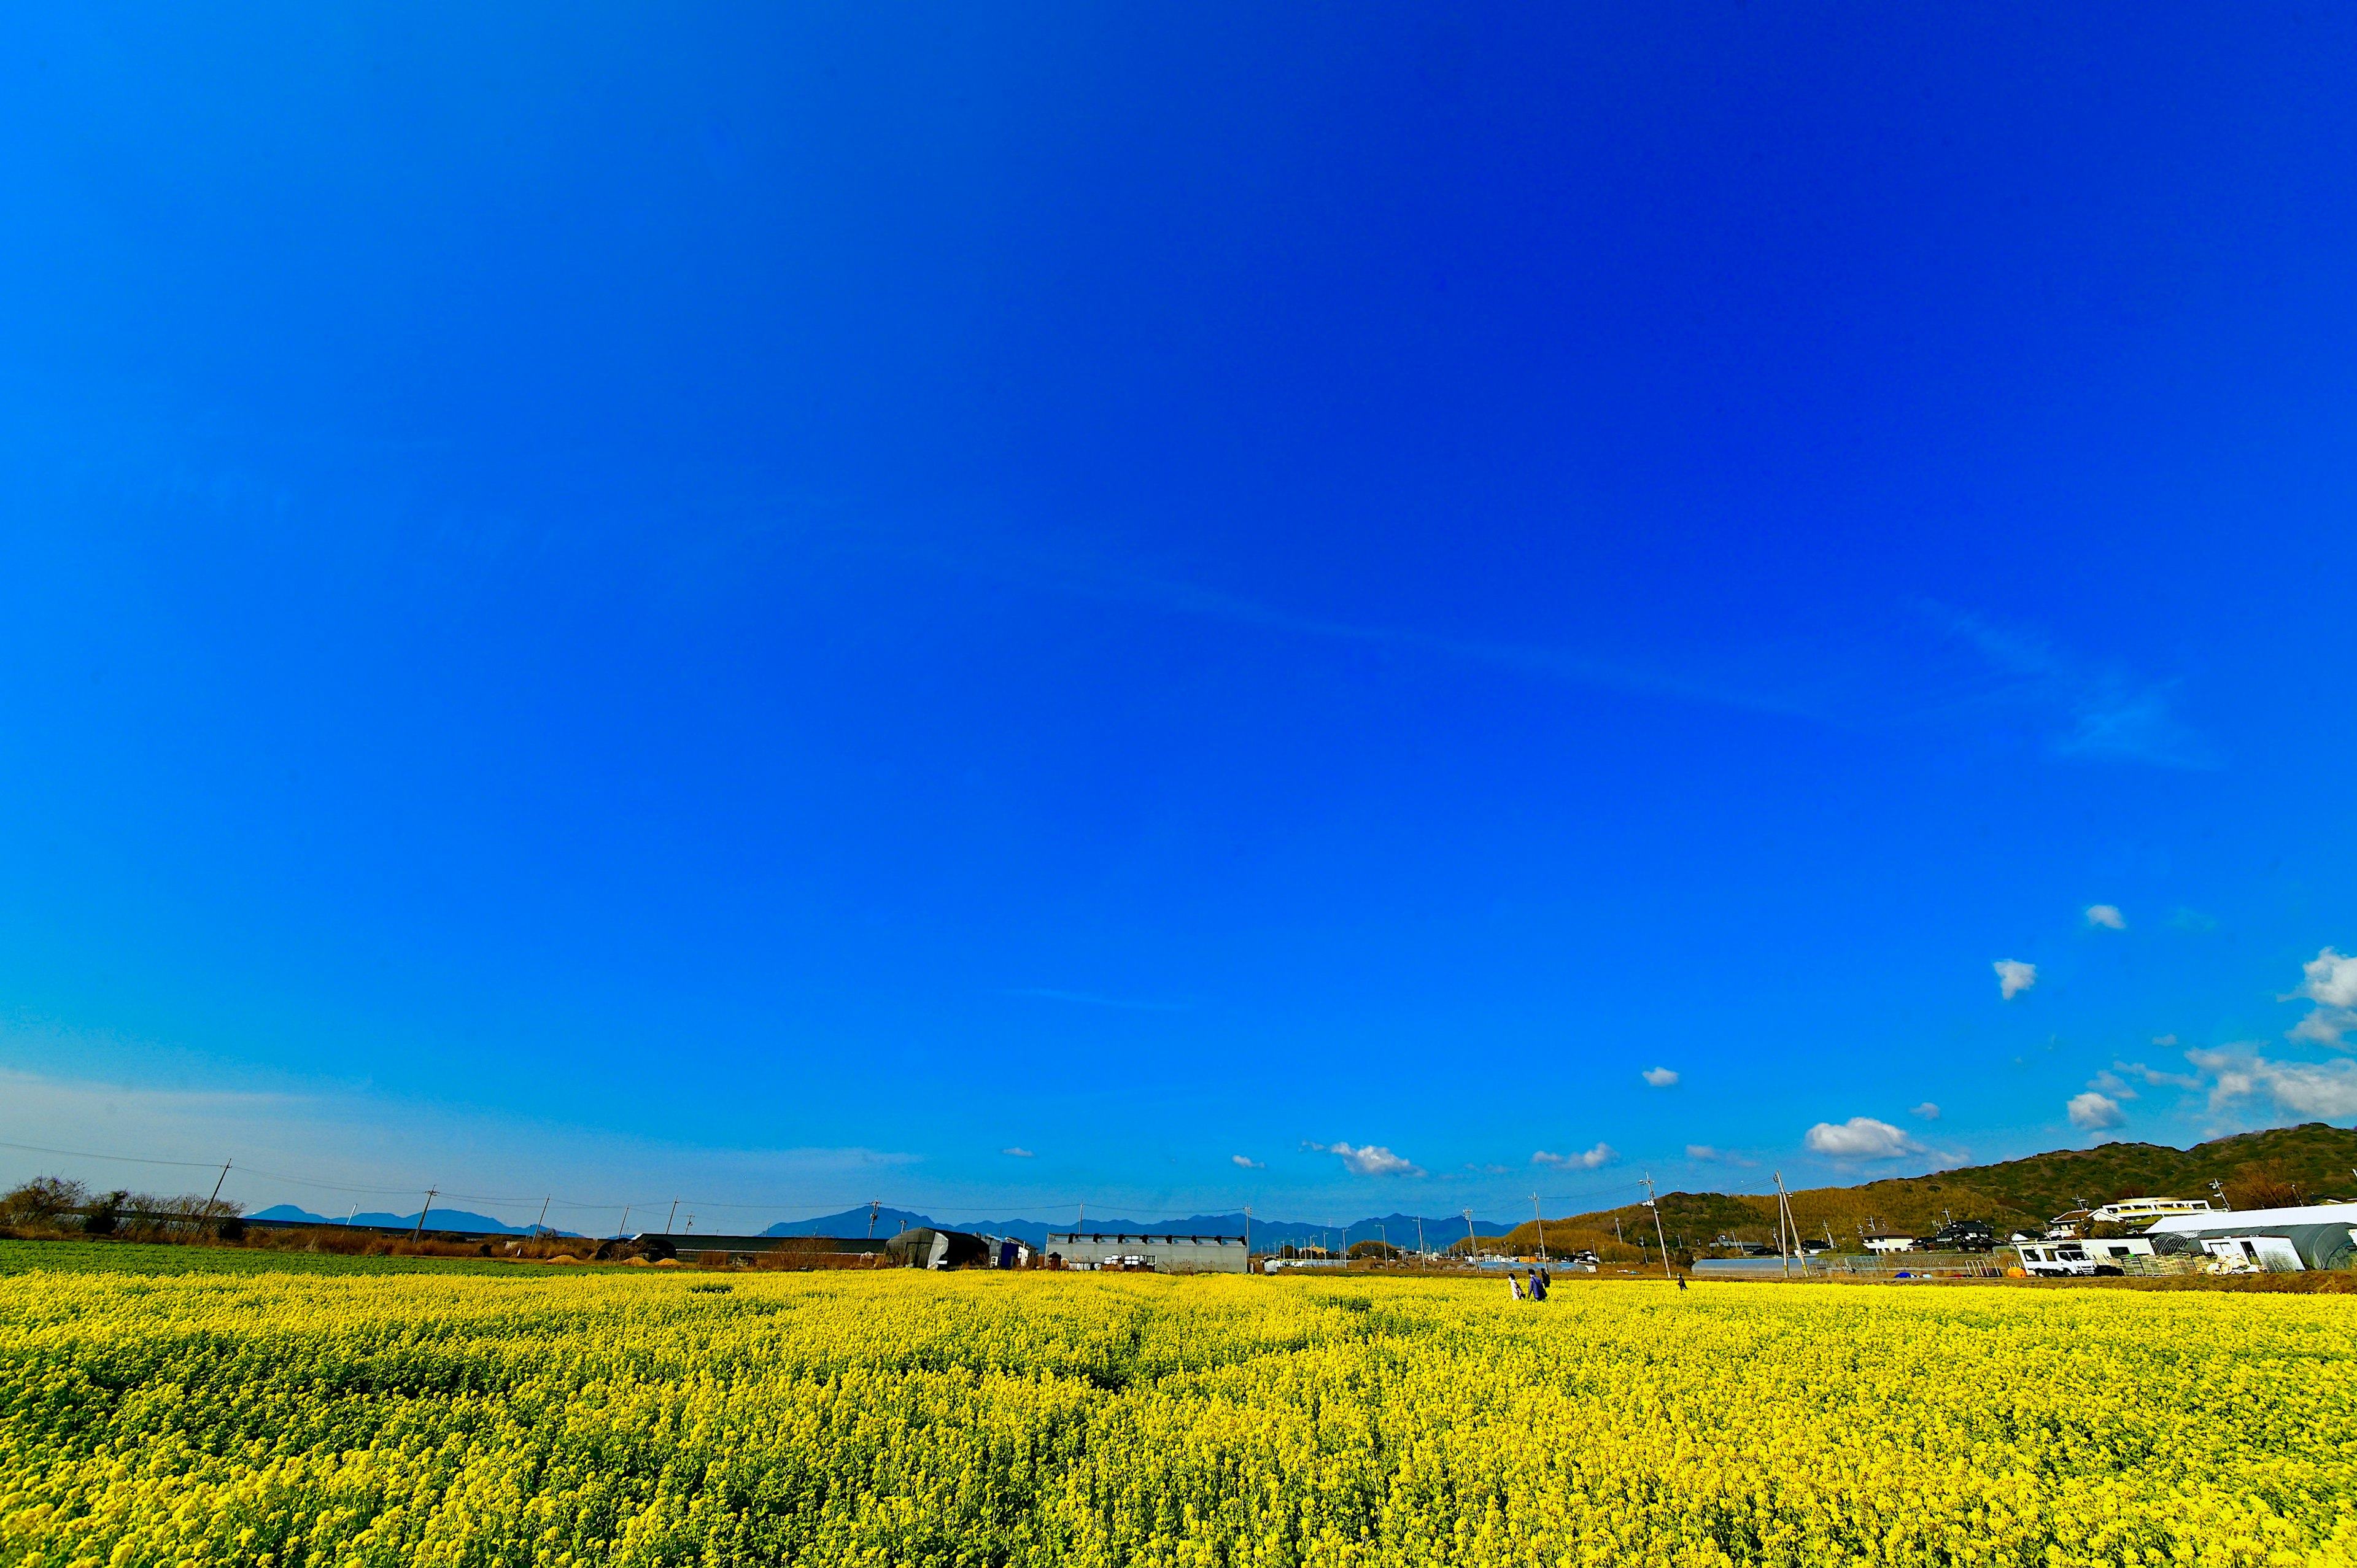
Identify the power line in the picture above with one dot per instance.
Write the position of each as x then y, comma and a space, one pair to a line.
86, 1154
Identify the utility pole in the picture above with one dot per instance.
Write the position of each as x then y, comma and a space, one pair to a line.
1664, 1241
1248, 1236
672, 1216
541, 1223
1784, 1225
872, 1205
1616, 1229
1472, 1242
2219, 1188
625, 1230
1419, 1233
1542, 1219
431, 1193
217, 1187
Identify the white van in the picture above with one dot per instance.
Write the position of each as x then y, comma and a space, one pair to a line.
2055, 1260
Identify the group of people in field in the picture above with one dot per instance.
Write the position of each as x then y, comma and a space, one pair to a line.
1536, 1290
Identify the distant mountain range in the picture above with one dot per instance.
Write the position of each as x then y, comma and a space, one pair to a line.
1399, 1229
440, 1219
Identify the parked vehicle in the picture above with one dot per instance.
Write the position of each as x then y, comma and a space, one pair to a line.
2061, 1259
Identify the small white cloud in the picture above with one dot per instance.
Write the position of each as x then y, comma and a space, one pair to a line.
1602, 1155
1018, 1154
2014, 977
2331, 984
1702, 1151
1370, 1159
2164, 1039
2152, 1076
1661, 1076
1861, 1138
1248, 1163
1929, 1111
2092, 1112
2110, 1082
2331, 978
2107, 915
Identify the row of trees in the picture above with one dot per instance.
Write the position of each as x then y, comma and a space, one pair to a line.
59, 1206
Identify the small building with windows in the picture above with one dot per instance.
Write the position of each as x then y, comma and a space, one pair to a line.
1889, 1242
2144, 1210
1157, 1254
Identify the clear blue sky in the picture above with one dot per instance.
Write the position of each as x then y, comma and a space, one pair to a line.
802, 597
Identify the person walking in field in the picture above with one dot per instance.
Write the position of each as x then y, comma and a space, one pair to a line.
1513, 1284
1538, 1284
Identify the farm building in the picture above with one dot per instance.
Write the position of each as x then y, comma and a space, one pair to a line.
1163, 1254
926, 1248
2320, 1236
690, 1248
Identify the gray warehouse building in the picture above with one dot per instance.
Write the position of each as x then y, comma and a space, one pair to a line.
1164, 1254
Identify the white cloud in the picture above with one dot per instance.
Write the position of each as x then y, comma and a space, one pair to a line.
2014, 977
2088, 708
1248, 1163
1370, 1159
1602, 1155
2111, 1083
2331, 984
1861, 1138
2092, 1112
2331, 978
2289, 1088
2107, 915
1929, 1111
2164, 1039
1661, 1077
1018, 1154
2154, 1075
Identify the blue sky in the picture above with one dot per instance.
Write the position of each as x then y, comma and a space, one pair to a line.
782, 604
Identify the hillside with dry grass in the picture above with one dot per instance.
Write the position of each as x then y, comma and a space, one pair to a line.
2276, 1168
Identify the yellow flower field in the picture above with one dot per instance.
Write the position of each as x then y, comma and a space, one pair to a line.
546, 1416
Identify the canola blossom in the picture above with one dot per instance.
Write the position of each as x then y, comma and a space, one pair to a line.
572, 1417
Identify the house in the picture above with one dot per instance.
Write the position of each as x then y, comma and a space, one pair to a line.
1963, 1236
1890, 1242
2144, 1210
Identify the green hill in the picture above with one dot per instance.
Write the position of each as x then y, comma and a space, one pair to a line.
2279, 1165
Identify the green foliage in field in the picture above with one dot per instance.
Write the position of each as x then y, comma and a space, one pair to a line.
361, 1417
142, 1258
